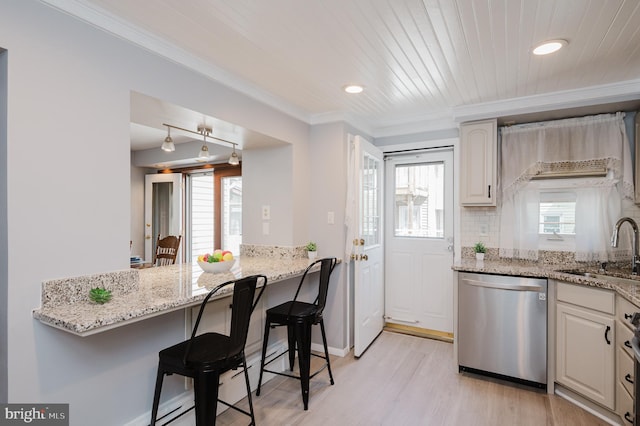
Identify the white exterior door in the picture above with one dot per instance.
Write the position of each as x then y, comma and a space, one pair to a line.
419, 241
366, 185
162, 210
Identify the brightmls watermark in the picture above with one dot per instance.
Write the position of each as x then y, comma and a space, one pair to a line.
34, 414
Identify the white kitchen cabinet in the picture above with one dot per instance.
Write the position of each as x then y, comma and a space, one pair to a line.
624, 362
478, 163
585, 342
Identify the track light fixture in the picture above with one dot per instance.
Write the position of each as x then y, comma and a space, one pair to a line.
205, 132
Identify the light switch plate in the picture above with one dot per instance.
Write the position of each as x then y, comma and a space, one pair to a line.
484, 230
331, 218
266, 212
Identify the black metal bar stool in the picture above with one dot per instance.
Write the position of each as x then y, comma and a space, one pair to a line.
204, 357
298, 317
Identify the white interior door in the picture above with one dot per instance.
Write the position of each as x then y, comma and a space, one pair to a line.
162, 210
419, 241
367, 253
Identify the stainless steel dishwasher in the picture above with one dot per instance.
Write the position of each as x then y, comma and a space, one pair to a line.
502, 327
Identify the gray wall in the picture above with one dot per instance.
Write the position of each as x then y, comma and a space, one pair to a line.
69, 88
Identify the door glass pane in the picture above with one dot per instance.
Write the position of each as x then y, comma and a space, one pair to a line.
162, 211
232, 214
202, 214
419, 200
370, 201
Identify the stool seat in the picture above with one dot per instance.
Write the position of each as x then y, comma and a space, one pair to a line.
293, 312
209, 352
299, 317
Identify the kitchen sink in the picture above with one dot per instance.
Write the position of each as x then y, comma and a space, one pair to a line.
602, 276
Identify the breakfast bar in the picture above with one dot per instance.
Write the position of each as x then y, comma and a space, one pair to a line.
139, 294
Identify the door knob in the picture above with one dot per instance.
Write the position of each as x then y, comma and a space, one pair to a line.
365, 257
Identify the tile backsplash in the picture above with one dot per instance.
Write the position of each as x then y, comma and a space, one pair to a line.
483, 224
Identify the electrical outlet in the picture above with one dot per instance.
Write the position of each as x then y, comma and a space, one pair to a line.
266, 212
484, 230
331, 218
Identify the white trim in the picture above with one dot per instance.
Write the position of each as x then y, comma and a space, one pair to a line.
441, 143
182, 401
587, 96
318, 347
586, 405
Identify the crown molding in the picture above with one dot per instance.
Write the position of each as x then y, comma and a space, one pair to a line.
124, 30
587, 96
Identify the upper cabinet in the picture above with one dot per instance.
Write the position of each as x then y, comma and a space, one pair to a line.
478, 163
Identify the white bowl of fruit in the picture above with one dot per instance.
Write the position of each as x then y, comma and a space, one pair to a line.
219, 261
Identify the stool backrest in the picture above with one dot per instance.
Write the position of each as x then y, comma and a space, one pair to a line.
326, 268
243, 304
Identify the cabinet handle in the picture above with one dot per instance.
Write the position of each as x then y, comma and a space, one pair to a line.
627, 417
489, 192
627, 344
628, 316
628, 378
606, 335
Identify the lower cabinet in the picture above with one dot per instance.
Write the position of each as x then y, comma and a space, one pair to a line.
625, 362
585, 342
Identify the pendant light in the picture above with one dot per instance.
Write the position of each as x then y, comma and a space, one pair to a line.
234, 160
168, 145
203, 155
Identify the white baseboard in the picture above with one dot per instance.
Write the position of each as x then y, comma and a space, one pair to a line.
317, 347
180, 403
587, 405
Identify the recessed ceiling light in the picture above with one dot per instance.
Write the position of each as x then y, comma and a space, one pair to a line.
549, 47
353, 88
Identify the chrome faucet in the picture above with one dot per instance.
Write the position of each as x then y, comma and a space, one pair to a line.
614, 241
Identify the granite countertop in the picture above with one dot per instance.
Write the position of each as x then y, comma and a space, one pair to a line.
618, 280
144, 293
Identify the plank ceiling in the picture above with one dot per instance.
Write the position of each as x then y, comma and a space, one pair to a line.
420, 60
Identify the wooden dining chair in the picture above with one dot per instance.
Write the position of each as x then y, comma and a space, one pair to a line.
166, 250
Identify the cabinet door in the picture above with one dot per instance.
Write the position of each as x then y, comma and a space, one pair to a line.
478, 161
585, 351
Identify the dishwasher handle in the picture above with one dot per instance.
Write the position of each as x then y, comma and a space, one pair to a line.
500, 286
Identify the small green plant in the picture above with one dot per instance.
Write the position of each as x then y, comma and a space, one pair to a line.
479, 248
312, 246
100, 295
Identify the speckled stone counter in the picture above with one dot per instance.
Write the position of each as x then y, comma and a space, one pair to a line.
626, 286
144, 293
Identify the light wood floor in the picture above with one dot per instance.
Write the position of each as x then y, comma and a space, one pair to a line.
404, 380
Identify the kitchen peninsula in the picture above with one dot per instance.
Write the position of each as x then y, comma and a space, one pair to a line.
146, 293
